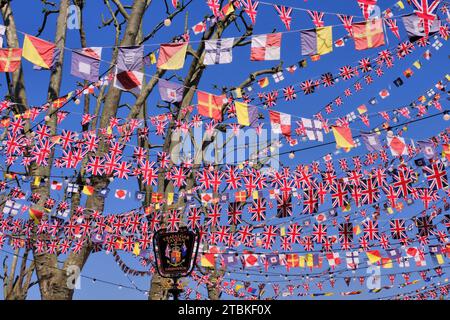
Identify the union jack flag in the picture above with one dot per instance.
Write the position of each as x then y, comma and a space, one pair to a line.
398, 229
308, 86
367, 7
347, 22
235, 213
404, 48
327, 79
425, 13
289, 93
269, 236
347, 72
365, 65
436, 176
392, 24
285, 15
270, 98
317, 18
284, 206
250, 8
425, 226
258, 209
310, 201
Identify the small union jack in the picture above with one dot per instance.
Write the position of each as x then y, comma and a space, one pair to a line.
365, 65
347, 22
289, 93
251, 9
367, 7
317, 18
392, 24
214, 5
348, 92
270, 98
404, 48
285, 15
327, 79
443, 30
347, 72
308, 86
365, 119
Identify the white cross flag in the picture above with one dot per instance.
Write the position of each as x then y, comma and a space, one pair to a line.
11, 207
313, 129
218, 51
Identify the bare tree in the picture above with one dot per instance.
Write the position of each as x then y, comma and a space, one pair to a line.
127, 22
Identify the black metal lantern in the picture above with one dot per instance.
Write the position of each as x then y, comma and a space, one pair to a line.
175, 254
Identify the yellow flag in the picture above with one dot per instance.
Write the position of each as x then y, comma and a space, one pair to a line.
37, 181
242, 113
400, 5
238, 92
417, 64
152, 58
309, 260
324, 40
170, 198
301, 261
136, 249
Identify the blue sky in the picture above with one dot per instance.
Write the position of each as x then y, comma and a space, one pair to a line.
101, 265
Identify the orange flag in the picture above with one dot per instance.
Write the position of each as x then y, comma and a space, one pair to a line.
10, 59
210, 105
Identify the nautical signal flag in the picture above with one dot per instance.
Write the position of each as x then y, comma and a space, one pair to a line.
36, 215
10, 59
171, 56
128, 80
263, 82
210, 105
397, 146
373, 256
266, 47
88, 190
281, 122
384, 93
120, 194
56, 185
246, 115
86, 63
343, 136
446, 151
317, 41
39, 52
368, 34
